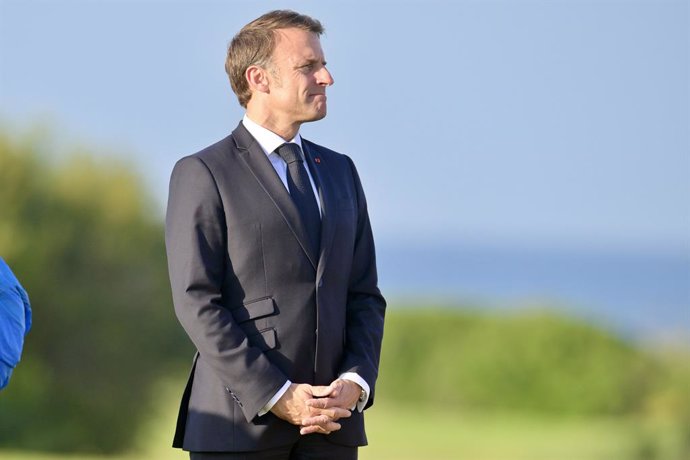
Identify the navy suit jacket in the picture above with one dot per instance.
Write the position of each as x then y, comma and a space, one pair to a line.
257, 304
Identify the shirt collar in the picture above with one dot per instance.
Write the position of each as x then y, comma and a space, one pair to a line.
267, 139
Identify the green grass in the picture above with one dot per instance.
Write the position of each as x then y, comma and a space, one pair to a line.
413, 433
419, 433
580, 392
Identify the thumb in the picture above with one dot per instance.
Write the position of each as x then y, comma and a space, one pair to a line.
321, 391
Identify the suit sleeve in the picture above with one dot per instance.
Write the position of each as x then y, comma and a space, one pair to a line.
196, 244
365, 304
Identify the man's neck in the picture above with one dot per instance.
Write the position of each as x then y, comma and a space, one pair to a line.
267, 139
285, 130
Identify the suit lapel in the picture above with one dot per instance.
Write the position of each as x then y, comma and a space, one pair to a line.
321, 175
262, 169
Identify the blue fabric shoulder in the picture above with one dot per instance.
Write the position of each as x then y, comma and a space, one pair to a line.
15, 321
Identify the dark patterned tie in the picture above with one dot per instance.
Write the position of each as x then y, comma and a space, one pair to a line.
302, 193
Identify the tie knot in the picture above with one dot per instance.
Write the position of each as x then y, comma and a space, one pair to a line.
290, 152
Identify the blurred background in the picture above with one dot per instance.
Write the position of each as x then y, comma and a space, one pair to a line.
526, 165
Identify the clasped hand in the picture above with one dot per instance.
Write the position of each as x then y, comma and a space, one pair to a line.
317, 409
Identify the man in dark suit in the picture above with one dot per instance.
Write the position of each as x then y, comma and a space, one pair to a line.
272, 267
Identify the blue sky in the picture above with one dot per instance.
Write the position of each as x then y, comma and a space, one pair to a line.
504, 122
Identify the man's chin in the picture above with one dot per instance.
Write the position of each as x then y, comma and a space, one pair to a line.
321, 114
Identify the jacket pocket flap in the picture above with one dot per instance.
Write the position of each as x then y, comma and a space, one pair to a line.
265, 340
254, 309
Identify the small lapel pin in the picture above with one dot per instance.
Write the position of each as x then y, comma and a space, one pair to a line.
317, 160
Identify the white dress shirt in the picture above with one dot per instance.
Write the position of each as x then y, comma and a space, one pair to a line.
269, 142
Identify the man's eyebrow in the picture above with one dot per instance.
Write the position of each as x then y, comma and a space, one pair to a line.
306, 62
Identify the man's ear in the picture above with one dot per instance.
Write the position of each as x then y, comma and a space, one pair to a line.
257, 78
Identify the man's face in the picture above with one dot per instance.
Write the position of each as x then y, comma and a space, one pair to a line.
298, 77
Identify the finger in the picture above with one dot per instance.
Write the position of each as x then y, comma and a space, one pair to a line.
336, 388
321, 403
342, 413
325, 416
312, 429
325, 403
335, 413
321, 391
323, 429
329, 414
316, 420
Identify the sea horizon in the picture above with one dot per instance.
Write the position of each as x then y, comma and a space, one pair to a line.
643, 294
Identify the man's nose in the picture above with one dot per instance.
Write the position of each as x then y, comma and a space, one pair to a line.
324, 77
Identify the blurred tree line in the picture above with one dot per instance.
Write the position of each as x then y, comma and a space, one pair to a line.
82, 237
86, 242
530, 362
538, 363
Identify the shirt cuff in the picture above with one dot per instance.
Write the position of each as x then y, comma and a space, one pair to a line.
354, 377
271, 402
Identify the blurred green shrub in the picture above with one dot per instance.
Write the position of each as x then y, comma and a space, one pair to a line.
83, 239
539, 362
